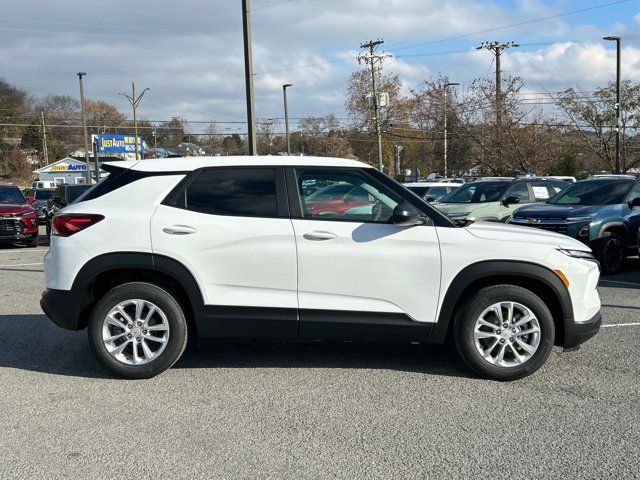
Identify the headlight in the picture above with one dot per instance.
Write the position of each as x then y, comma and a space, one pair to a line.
581, 254
458, 216
579, 219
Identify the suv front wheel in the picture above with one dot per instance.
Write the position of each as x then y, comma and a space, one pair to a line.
137, 330
504, 332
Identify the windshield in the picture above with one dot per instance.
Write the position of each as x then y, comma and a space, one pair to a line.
75, 191
478, 192
11, 195
42, 194
593, 192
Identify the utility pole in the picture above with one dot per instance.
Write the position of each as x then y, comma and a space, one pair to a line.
446, 87
618, 41
497, 48
45, 151
84, 128
135, 101
372, 59
286, 116
248, 78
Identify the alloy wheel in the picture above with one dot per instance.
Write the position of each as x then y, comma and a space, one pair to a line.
135, 332
613, 254
507, 334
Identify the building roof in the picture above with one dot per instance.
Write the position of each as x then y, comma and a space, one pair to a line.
193, 163
59, 166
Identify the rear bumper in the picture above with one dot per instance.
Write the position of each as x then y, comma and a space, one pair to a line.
576, 333
62, 307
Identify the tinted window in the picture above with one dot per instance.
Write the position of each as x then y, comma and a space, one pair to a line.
594, 192
76, 191
42, 194
520, 190
239, 192
436, 193
11, 195
362, 199
478, 192
540, 191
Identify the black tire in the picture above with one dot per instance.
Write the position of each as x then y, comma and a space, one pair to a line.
32, 242
610, 252
175, 318
465, 320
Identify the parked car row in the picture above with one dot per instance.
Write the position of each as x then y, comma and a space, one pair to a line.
602, 211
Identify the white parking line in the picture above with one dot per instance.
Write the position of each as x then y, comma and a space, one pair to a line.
21, 264
634, 324
26, 250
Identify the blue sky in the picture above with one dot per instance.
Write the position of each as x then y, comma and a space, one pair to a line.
190, 53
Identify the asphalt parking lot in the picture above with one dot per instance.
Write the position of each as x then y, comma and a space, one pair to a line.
264, 409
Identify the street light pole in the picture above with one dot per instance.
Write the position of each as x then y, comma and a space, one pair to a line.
84, 128
286, 116
618, 41
135, 101
446, 87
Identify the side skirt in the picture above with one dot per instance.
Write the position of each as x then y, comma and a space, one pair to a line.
261, 322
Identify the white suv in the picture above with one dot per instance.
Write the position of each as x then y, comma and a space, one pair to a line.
167, 249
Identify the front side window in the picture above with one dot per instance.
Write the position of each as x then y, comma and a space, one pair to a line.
540, 191
360, 198
477, 192
520, 190
436, 193
234, 191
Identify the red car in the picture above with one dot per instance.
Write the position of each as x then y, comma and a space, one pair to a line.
334, 200
18, 219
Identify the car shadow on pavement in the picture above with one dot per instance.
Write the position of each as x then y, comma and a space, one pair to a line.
628, 278
250, 353
33, 343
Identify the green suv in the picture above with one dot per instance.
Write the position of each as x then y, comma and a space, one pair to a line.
495, 200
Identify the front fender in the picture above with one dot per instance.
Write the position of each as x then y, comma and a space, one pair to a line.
499, 271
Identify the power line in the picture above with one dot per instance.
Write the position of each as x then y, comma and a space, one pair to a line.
518, 24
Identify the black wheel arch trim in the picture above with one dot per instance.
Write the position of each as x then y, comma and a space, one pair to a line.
147, 261
498, 268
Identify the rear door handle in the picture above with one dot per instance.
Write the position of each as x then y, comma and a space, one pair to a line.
317, 235
179, 230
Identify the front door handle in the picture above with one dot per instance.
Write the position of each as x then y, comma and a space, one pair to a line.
317, 235
179, 230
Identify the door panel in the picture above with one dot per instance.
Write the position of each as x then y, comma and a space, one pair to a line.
243, 261
368, 267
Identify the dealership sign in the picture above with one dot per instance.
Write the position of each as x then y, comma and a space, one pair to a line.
63, 167
112, 143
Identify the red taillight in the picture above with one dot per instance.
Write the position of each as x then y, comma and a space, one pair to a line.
66, 224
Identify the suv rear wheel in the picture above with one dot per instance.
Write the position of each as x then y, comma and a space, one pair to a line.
504, 332
137, 330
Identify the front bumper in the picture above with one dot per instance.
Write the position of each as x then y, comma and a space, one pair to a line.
576, 333
63, 307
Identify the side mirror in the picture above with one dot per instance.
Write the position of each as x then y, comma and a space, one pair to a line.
634, 202
510, 200
406, 215
31, 200
430, 199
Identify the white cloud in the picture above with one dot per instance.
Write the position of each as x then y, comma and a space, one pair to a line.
190, 55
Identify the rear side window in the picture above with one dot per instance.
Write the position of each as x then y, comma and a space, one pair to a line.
236, 192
